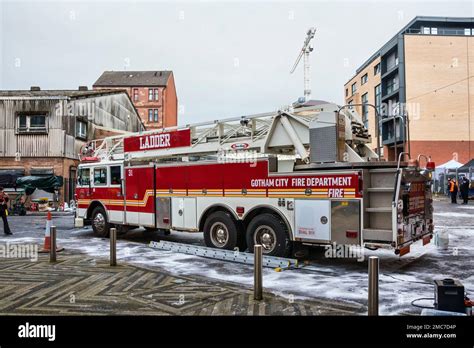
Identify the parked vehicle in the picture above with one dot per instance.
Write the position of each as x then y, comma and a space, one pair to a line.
302, 176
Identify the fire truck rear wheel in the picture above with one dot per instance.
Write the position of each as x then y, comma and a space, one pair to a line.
271, 233
100, 225
222, 231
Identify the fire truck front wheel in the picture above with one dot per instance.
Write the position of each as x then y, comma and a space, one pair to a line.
222, 232
270, 232
100, 225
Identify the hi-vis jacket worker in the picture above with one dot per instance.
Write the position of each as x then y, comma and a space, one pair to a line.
453, 190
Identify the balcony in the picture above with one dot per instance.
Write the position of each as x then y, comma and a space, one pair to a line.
388, 134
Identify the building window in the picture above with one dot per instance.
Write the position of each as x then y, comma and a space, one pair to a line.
378, 97
354, 87
392, 84
347, 92
115, 175
364, 79
467, 31
84, 177
426, 31
377, 69
150, 94
434, 31
100, 176
150, 115
393, 108
365, 110
32, 123
81, 129
156, 118
350, 102
392, 61
157, 94
135, 94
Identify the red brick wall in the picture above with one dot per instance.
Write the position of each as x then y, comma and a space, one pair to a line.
167, 104
60, 166
443, 151
171, 104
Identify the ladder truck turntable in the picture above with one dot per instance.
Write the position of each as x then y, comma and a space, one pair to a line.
296, 176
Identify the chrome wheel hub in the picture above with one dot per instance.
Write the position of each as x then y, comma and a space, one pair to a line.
266, 237
219, 234
99, 222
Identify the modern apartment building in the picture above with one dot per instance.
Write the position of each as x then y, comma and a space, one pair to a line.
152, 92
423, 77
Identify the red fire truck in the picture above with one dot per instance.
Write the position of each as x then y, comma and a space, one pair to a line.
301, 176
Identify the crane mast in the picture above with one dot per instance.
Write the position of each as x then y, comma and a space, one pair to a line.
305, 51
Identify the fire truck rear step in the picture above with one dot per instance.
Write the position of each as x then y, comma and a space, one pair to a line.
379, 210
377, 234
225, 255
380, 189
378, 204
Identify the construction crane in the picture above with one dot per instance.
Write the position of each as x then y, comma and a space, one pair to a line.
305, 51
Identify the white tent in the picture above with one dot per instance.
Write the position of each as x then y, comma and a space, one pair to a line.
443, 168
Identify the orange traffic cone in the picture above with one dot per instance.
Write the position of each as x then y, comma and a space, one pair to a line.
47, 236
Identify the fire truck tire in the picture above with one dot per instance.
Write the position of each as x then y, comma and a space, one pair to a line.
100, 225
271, 233
221, 231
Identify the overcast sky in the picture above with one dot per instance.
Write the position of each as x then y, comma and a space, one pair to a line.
229, 58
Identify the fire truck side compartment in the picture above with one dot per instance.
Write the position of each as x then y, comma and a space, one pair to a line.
183, 213
163, 212
313, 219
345, 222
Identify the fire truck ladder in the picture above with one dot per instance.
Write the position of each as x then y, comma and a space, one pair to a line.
225, 255
284, 132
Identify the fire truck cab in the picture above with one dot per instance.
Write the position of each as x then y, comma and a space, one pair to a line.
301, 176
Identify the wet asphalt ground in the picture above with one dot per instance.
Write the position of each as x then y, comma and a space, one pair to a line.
334, 281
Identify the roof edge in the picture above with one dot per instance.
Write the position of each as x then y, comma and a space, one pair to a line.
404, 28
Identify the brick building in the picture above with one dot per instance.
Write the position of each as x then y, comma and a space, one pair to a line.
423, 77
153, 93
42, 132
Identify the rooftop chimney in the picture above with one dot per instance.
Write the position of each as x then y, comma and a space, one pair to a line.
35, 88
83, 88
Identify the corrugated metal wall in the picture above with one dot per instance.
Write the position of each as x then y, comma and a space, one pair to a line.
111, 111
30, 145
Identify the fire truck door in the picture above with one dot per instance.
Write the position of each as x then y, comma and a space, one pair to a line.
146, 194
183, 213
313, 219
116, 191
132, 198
